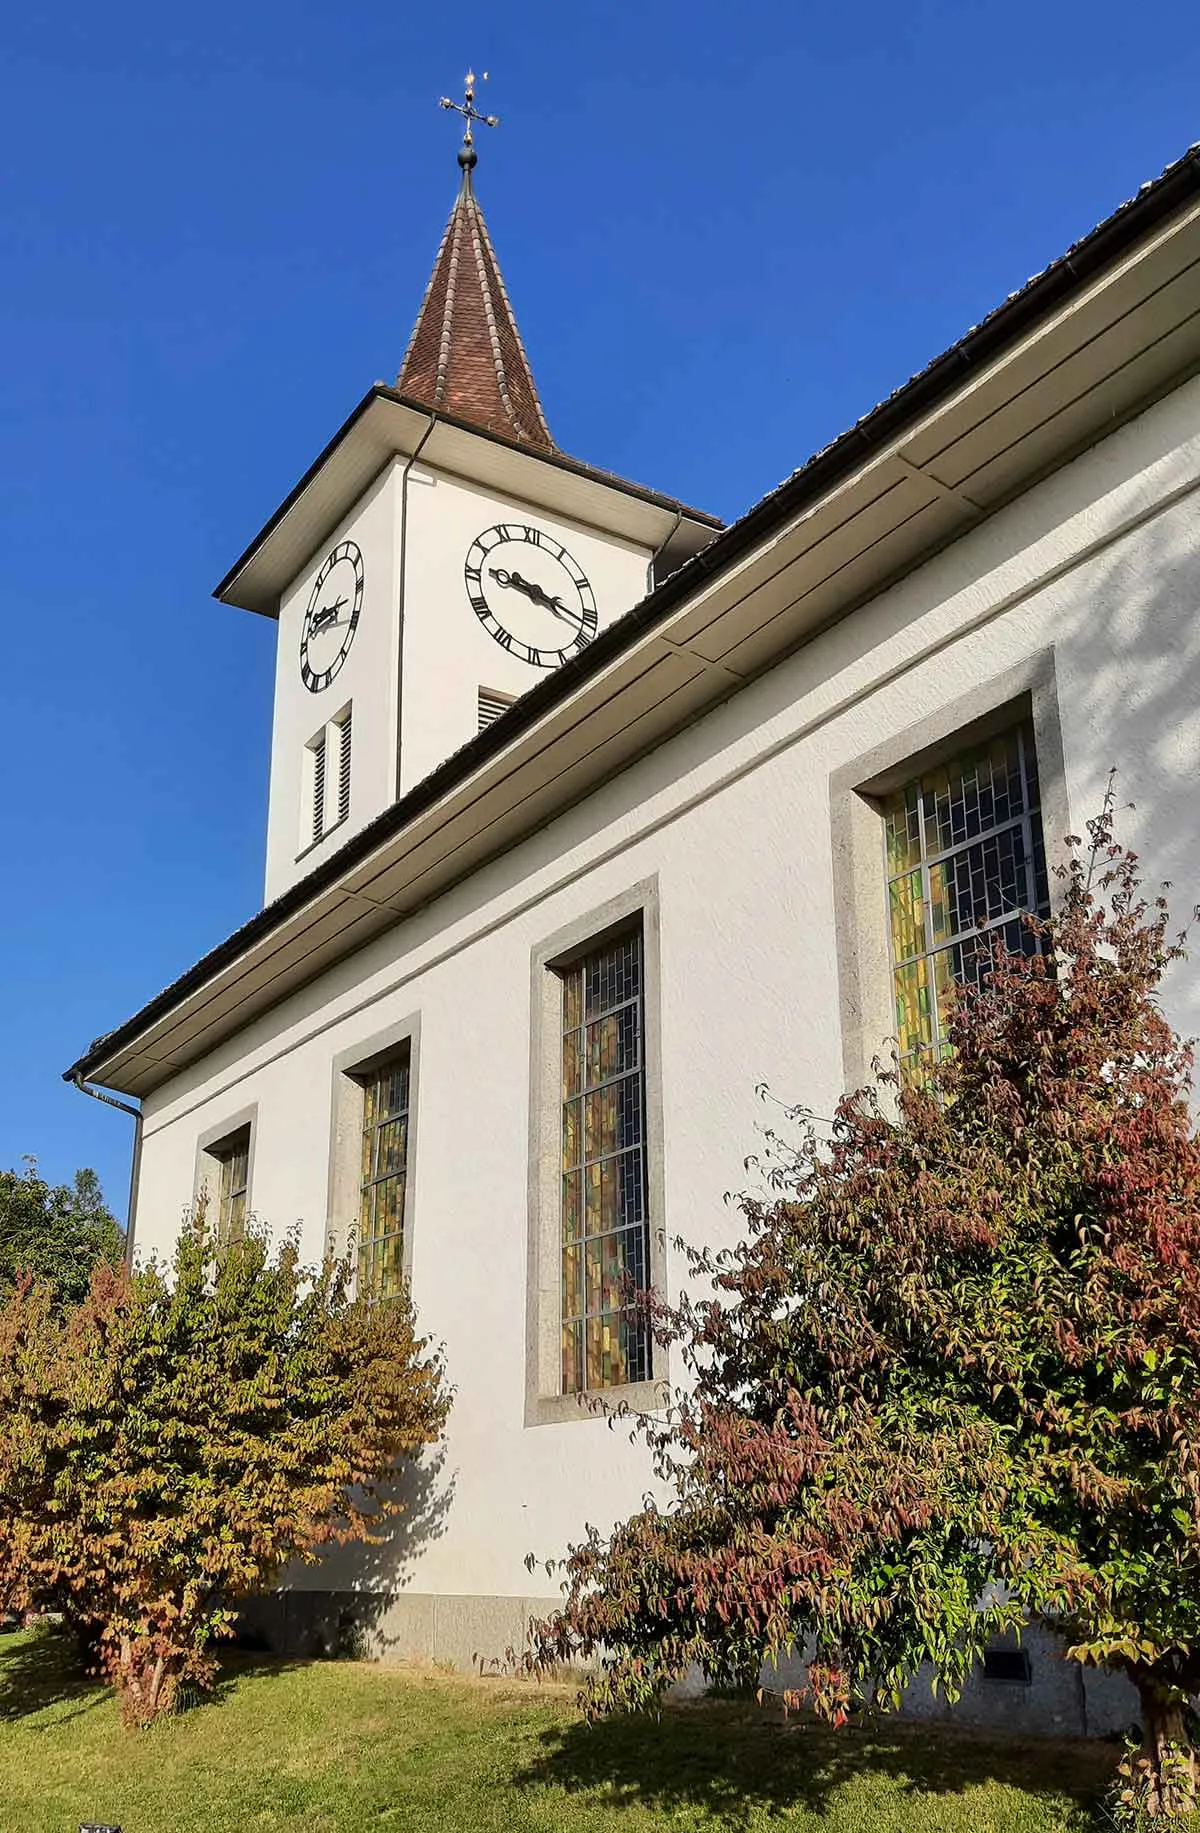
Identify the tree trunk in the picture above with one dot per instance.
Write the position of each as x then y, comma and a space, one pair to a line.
1165, 1767
145, 1682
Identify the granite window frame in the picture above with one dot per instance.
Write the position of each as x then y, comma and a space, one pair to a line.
212, 1149
1026, 692
351, 1070
383, 1178
546, 1403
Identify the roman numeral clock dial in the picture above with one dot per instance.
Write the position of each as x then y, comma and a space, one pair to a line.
332, 616
531, 596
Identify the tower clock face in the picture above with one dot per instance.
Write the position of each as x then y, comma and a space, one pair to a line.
332, 616
531, 596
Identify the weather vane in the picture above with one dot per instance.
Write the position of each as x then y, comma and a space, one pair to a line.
470, 114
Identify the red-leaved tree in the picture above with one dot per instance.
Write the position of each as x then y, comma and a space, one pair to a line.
949, 1381
167, 1445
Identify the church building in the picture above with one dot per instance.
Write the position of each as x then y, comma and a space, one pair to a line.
589, 817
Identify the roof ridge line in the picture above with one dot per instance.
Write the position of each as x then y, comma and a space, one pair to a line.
429, 286
485, 233
445, 343
489, 311
466, 356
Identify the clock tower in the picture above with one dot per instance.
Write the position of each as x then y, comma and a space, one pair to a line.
437, 560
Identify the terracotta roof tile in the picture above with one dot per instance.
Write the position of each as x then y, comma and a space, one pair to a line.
465, 354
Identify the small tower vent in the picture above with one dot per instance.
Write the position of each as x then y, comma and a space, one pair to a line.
344, 729
491, 704
325, 791
318, 785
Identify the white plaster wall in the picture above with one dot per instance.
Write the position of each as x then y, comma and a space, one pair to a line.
368, 678
448, 654
1102, 563
429, 679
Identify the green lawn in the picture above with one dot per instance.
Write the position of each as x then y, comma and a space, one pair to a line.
342, 1747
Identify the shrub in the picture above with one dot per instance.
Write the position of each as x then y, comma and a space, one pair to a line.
173, 1440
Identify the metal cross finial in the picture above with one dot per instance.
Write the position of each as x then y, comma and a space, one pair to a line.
470, 114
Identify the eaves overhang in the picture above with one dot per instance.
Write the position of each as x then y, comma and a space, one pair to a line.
1090, 342
388, 425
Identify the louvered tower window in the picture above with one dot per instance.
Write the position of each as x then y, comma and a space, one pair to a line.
325, 792
344, 728
965, 857
491, 704
318, 748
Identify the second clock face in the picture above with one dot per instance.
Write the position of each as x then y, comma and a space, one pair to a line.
332, 616
531, 596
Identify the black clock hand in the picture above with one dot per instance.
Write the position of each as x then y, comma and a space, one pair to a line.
557, 609
535, 593
328, 615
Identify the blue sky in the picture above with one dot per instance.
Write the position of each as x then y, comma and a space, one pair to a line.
727, 231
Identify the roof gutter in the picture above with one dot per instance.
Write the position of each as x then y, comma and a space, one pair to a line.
661, 549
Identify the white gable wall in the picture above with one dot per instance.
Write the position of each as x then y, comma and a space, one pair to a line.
1100, 564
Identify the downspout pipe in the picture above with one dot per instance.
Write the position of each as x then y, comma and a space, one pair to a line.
98, 1094
402, 568
660, 550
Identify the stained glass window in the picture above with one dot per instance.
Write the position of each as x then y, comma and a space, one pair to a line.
605, 1226
233, 1156
964, 858
384, 1176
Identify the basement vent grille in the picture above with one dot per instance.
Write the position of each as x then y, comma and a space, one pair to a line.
1007, 1664
491, 704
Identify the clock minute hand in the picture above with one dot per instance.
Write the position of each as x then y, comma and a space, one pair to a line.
535, 593
529, 587
565, 613
328, 615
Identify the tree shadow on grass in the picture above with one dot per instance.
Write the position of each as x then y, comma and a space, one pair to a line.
41, 1667
735, 1760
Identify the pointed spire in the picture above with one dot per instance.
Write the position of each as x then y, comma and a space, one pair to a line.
465, 354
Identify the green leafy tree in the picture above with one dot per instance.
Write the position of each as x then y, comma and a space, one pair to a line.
171, 1442
949, 1381
57, 1231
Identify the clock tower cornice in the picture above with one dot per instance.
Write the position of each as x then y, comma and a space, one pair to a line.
386, 427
